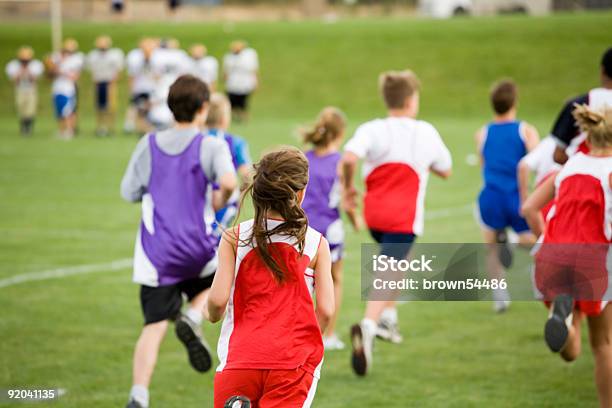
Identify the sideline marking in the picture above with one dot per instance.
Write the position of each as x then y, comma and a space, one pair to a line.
66, 271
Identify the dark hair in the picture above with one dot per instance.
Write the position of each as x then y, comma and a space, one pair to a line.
503, 96
330, 126
278, 177
606, 62
186, 97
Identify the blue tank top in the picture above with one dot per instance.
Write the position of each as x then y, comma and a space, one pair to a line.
502, 150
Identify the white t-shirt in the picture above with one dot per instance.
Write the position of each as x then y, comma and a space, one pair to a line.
241, 70
541, 159
207, 69
67, 67
140, 70
398, 154
105, 65
173, 62
34, 69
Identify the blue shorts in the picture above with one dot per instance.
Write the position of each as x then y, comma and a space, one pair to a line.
64, 105
499, 210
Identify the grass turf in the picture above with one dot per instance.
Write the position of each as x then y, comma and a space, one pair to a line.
59, 206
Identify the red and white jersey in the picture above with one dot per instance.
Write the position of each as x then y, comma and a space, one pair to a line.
583, 204
541, 160
270, 325
398, 154
598, 100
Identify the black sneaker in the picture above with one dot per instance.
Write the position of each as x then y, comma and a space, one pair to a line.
134, 404
556, 330
189, 334
361, 342
504, 251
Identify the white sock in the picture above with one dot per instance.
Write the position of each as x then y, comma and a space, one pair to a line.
140, 394
194, 315
389, 315
369, 325
501, 295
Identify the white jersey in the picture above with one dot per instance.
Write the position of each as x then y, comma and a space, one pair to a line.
241, 71
105, 65
140, 70
24, 76
207, 69
170, 62
541, 160
398, 154
68, 67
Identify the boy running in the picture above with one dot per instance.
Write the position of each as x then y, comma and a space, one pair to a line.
399, 152
501, 145
24, 73
270, 348
171, 173
572, 265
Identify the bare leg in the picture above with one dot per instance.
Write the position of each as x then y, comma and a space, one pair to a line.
526, 240
573, 347
600, 335
337, 277
145, 354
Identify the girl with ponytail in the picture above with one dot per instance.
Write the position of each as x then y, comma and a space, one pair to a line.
322, 200
571, 268
270, 267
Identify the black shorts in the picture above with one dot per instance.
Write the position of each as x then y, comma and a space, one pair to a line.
165, 302
238, 101
394, 244
102, 96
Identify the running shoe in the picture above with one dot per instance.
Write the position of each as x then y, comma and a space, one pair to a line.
189, 333
556, 330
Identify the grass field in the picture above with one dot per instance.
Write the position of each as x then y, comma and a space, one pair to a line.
60, 207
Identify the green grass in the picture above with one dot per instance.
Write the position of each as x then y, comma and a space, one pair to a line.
59, 206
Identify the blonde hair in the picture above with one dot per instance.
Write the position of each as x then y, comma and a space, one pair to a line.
329, 126
398, 86
219, 110
596, 124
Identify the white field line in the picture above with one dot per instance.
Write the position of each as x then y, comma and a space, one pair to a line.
448, 212
127, 262
66, 271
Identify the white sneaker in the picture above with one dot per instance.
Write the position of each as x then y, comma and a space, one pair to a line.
501, 306
333, 342
389, 332
362, 341
501, 300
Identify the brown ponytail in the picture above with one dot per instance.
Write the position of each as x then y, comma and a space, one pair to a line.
597, 125
329, 126
278, 177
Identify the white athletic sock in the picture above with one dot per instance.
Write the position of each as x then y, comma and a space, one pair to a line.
389, 315
194, 315
140, 394
369, 326
501, 295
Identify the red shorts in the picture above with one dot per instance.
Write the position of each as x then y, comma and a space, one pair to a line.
578, 270
266, 388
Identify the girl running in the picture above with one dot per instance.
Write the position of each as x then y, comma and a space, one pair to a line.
323, 199
571, 263
271, 348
